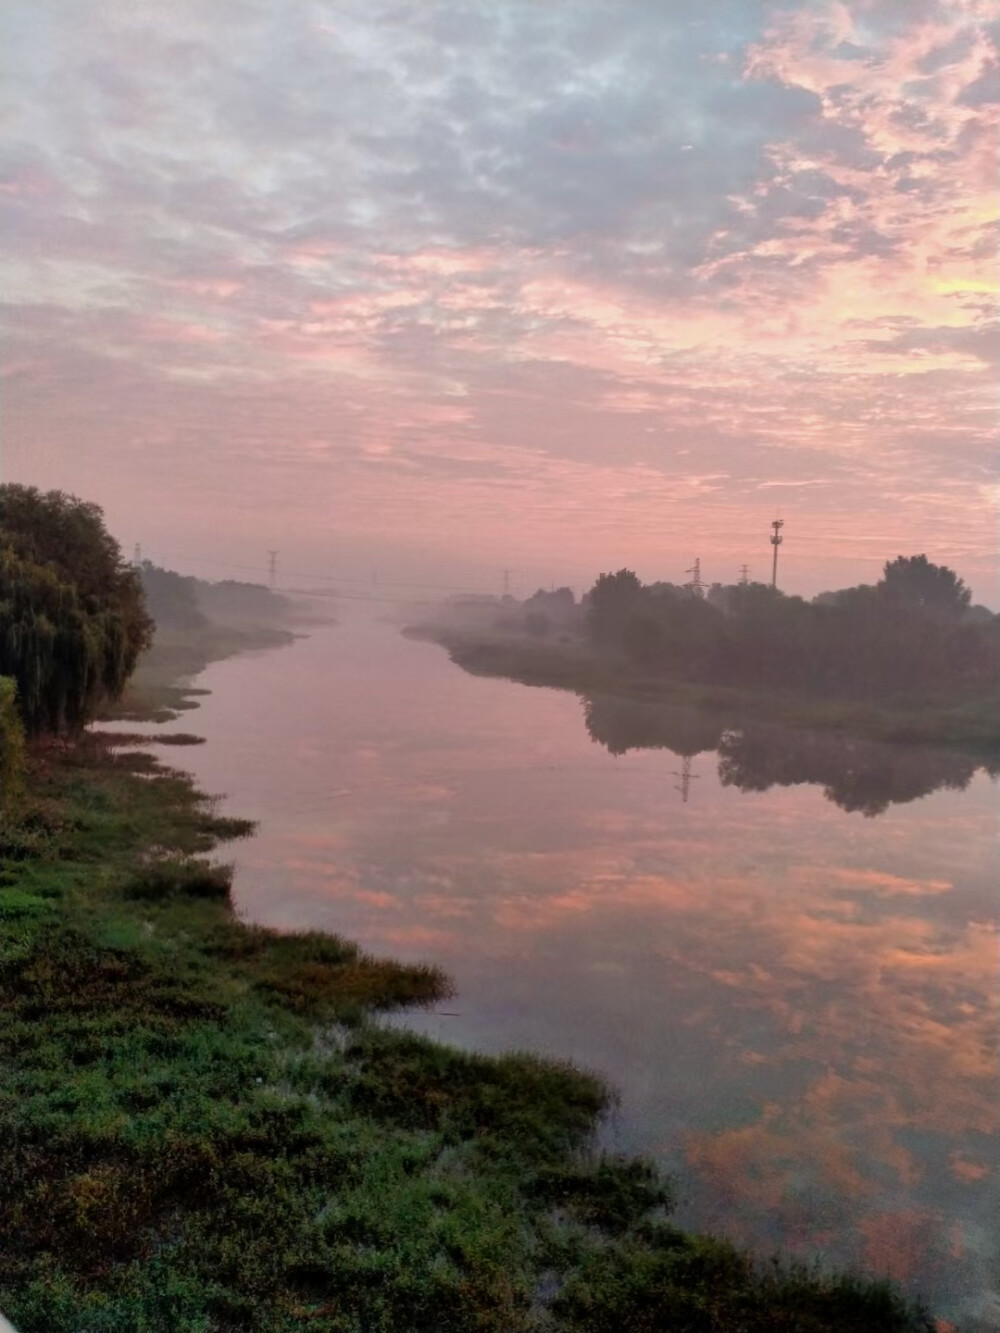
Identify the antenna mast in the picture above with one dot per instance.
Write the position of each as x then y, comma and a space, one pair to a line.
776, 540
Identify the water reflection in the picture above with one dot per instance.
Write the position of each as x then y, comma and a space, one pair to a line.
621, 725
798, 1006
856, 774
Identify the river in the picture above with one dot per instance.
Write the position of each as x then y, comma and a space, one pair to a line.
796, 999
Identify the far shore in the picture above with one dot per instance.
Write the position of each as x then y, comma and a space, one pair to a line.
570, 664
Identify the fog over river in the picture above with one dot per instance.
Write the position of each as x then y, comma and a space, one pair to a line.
797, 1000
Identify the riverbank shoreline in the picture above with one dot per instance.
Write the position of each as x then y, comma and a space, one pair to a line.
973, 728
203, 1127
162, 689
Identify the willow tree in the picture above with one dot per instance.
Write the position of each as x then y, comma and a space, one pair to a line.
11, 746
72, 612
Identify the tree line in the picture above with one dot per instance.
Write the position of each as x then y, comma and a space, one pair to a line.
914, 633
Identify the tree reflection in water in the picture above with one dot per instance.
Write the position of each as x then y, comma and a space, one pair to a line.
621, 725
856, 774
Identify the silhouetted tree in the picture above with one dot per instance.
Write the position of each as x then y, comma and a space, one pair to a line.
171, 599
642, 639
909, 638
612, 600
914, 582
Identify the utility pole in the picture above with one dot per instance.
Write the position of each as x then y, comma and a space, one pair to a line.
506, 582
696, 585
272, 567
776, 540
744, 575
137, 556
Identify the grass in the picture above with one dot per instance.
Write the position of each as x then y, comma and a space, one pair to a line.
203, 1129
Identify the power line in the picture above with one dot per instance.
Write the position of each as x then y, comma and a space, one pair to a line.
327, 577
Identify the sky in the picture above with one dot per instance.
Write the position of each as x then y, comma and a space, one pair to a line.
417, 293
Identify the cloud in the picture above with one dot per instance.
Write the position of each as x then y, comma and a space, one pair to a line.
616, 234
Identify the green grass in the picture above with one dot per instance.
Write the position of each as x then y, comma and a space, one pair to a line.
204, 1130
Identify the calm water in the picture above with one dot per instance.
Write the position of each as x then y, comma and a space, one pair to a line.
797, 1001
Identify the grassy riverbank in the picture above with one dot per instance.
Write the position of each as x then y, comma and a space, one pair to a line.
204, 1129
973, 727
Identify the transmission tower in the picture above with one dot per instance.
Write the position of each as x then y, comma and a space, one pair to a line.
272, 567
744, 575
696, 585
776, 540
137, 556
686, 777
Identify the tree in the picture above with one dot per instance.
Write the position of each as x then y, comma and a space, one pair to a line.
610, 604
172, 599
11, 746
73, 619
537, 624
642, 640
913, 581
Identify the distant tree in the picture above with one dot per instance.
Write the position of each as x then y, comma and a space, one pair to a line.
73, 618
559, 605
537, 624
914, 582
642, 639
911, 636
171, 599
610, 603
236, 603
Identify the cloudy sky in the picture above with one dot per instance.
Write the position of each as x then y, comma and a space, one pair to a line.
557, 285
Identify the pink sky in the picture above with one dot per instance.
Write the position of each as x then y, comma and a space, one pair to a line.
443, 289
